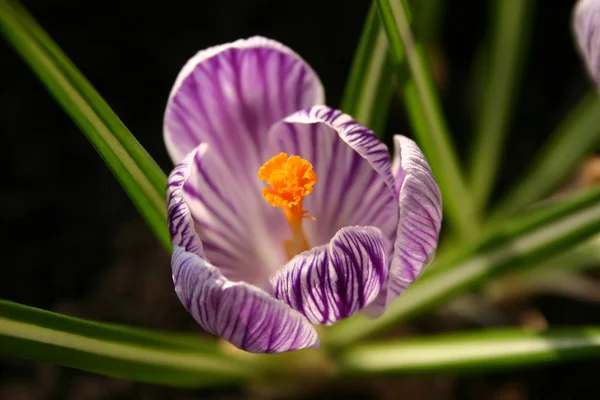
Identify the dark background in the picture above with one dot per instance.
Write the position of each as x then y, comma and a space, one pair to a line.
73, 243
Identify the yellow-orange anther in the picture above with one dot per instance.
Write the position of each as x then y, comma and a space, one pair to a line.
291, 178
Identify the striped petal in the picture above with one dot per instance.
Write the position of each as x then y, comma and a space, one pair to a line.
420, 216
228, 97
586, 28
355, 186
336, 280
225, 221
240, 313
244, 314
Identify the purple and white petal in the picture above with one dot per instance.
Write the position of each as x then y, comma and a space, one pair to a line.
355, 185
240, 313
420, 216
214, 216
586, 28
228, 97
336, 280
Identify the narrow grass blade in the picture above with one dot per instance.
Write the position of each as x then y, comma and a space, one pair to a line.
480, 351
370, 83
509, 38
577, 136
556, 273
523, 242
425, 113
137, 172
117, 351
428, 17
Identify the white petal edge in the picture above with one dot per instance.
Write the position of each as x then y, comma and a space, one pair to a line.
420, 222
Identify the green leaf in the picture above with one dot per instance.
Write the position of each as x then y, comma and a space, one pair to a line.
558, 275
168, 359
584, 256
370, 83
480, 351
523, 242
428, 18
426, 117
137, 172
510, 32
577, 136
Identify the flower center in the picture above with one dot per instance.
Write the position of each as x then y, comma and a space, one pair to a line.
291, 178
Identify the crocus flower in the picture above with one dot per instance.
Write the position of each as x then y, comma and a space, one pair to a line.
586, 28
283, 212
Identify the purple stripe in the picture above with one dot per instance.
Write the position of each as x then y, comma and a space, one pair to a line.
334, 281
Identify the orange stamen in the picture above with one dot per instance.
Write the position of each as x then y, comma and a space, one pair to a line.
291, 178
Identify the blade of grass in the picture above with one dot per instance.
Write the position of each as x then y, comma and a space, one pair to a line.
428, 19
370, 83
576, 136
510, 34
118, 351
428, 22
129, 142
522, 242
480, 351
559, 269
137, 172
426, 117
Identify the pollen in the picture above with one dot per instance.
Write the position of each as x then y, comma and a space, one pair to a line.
290, 177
